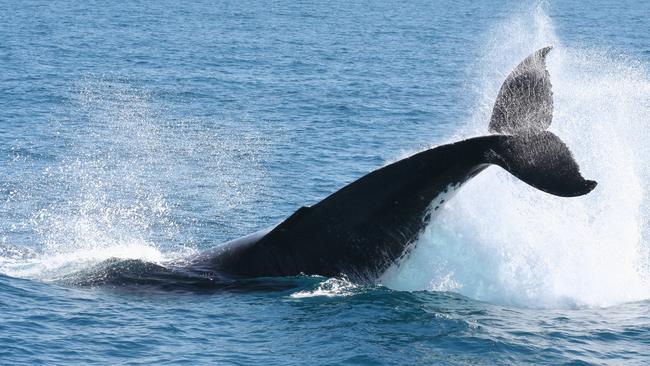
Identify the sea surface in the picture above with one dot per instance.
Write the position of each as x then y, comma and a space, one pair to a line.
149, 131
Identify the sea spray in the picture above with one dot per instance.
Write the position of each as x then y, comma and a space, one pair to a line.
501, 241
125, 186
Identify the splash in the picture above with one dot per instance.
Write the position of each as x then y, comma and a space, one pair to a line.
119, 187
332, 287
504, 242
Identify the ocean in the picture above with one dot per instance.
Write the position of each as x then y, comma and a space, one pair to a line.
147, 131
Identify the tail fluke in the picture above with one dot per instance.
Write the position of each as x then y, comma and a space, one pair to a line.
522, 112
542, 160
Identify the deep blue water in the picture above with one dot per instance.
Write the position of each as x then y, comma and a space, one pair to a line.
154, 130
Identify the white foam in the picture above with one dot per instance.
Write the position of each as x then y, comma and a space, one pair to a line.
502, 241
49, 265
332, 287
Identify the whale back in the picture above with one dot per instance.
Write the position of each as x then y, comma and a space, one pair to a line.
363, 228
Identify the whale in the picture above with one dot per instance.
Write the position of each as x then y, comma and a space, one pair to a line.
373, 223
370, 224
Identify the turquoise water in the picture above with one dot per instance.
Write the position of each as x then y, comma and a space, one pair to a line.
151, 131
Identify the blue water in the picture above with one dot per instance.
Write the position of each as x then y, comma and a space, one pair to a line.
155, 130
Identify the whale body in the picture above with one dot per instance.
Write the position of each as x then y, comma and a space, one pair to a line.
370, 224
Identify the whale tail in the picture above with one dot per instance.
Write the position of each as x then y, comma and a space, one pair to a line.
542, 160
522, 112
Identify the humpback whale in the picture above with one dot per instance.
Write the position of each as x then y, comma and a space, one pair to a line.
367, 226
